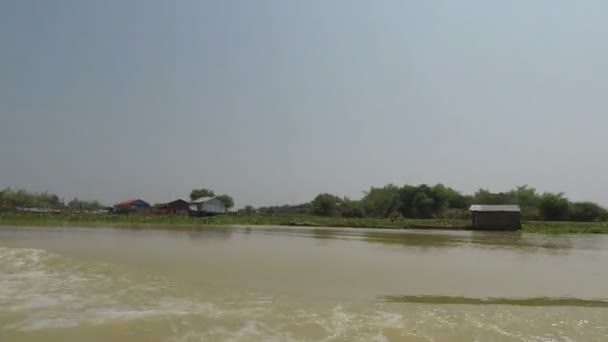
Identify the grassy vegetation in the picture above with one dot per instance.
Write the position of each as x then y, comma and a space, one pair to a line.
566, 227
229, 219
181, 222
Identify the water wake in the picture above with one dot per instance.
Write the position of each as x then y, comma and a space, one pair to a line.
54, 296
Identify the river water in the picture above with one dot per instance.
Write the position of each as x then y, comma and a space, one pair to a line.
300, 284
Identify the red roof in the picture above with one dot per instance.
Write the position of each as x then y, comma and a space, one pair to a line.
127, 202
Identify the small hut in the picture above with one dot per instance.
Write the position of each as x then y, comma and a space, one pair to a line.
177, 207
496, 217
131, 205
206, 206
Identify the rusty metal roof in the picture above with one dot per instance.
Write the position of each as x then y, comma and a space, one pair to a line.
495, 207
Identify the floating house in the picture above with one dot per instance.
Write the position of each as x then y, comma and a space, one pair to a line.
496, 217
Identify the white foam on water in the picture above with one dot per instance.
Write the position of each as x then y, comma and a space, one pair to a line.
250, 330
380, 337
51, 291
339, 322
40, 290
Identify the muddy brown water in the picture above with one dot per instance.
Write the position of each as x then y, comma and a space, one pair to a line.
300, 284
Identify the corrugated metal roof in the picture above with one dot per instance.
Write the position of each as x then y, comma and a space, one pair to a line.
202, 200
494, 207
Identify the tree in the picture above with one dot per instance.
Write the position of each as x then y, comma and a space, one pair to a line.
554, 207
528, 200
453, 198
249, 210
10, 198
326, 204
228, 201
350, 208
198, 193
487, 197
381, 202
424, 205
423, 201
587, 211
78, 205
304, 208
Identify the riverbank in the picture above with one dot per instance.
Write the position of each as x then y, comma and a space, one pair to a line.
229, 220
186, 222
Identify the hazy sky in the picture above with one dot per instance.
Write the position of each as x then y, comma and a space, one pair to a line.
276, 101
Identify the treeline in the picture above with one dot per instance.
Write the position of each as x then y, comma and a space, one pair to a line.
390, 201
12, 199
439, 201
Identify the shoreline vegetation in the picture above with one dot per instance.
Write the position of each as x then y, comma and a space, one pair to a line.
391, 206
179, 222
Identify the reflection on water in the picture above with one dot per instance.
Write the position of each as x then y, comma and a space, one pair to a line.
516, 241
211, 233
293, 284
519, 241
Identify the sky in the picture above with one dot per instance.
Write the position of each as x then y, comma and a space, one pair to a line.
275, 101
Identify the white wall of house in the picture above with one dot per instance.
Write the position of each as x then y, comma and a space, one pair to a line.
212, 206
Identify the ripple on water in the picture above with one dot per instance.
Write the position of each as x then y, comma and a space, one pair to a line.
43, 292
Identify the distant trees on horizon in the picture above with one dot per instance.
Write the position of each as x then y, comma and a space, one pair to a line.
439, 201
11, 198
390, 201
